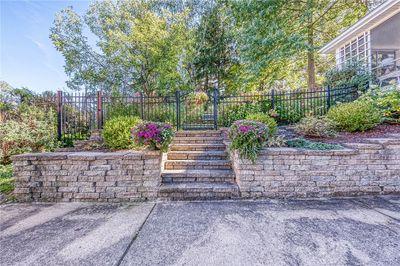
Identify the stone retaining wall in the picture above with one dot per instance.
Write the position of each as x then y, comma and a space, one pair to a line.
361, 168
88, 176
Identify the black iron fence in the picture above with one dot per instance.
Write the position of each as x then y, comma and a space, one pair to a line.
78, 113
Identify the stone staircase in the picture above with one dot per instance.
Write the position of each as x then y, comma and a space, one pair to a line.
198, 167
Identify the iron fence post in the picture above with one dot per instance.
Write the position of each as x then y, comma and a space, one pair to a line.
59, 114
215, 108
273, 99
178, 108
141, 106
329, 97
99, 110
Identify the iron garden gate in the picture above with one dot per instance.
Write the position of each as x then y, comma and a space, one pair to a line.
194, 116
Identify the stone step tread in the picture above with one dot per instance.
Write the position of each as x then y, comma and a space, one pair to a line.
197, 155
202, 133
199, 145
199, 187
202, 138
198, 162
215, 152
197, 173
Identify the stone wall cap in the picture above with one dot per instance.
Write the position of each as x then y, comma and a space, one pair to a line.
152, 153
134, 155
40, 156
111, 155
365, 146
300, 151
345, 151
89, 156
384, 140
53, 156
25, 156
84, 156
280, 150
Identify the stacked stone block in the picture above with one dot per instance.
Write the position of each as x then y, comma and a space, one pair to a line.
360, 169
87, 176
198, 167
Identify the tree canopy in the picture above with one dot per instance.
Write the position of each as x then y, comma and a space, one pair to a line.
158, 47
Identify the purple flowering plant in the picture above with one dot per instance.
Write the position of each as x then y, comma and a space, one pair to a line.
155, 135
248, 138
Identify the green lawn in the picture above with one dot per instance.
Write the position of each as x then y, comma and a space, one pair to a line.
6, 179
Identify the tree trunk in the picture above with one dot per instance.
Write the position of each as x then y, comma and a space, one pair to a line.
310, 59
206, 82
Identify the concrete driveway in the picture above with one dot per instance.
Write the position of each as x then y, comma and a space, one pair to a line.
362, 231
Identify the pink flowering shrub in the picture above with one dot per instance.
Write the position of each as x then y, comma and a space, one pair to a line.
157, 136
248, 138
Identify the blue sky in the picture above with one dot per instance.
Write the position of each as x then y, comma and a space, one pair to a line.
27, 56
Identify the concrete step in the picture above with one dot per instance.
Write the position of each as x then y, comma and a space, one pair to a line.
198, 147
198, 133
197, 155
169, 176
197, 164
198, 191
197, 140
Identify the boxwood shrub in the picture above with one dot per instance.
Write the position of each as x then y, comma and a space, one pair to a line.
265, 119
355, 116
117, 132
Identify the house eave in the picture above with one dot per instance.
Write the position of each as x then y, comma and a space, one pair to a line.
368, 22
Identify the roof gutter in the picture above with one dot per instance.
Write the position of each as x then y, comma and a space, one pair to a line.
330, 46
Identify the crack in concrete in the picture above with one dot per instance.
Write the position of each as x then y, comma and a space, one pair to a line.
361, 203
135, 237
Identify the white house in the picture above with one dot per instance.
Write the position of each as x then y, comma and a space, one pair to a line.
374, 39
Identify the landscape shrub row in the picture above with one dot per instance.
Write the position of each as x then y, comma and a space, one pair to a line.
373, 107
126, 132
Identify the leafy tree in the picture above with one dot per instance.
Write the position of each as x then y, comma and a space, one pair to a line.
279, 38
159, 46
214, 52
138, 47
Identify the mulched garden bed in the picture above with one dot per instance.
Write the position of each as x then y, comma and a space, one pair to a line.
377, 132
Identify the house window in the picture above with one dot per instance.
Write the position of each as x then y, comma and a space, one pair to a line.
355, 50
383, 61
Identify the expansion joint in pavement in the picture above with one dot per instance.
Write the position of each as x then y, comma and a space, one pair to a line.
371, 208
135, 236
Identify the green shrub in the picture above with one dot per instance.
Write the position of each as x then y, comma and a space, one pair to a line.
265, 119
290, 112
311, 145
248, 138
229, 113
276, 141
387, 100
117, 132
315, 127
113, 110
6, 180
29, 129
353, 74
355, 116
